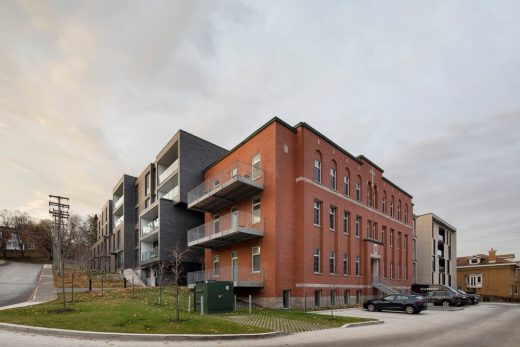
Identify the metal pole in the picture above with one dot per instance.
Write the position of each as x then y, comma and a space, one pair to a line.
133, 288
201, 305
189, 303
72, 287
235, 306
249, 303
102, 285
304, 301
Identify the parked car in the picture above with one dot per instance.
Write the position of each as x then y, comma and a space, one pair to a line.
464, 298
446, 297
474, 298
397, 302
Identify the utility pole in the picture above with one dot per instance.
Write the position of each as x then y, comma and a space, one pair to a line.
59, 210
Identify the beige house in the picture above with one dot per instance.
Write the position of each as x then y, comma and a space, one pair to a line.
495, 277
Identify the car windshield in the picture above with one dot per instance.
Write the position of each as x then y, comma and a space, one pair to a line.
462, 292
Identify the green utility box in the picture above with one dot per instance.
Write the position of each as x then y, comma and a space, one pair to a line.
217, 296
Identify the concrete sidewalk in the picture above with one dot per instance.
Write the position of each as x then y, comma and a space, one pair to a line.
45, 290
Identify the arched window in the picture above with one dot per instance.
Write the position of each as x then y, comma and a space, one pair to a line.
346, 183
358, 189
369, 194
399, 210
406, 213
383, 203
375, 194
317, 166
392, 206
333, 174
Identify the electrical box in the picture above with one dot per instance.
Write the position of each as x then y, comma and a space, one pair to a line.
217, 296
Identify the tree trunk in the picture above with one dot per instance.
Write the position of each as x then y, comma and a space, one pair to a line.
177, 300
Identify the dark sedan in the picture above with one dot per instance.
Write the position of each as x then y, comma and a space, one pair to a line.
474, 298
397, 302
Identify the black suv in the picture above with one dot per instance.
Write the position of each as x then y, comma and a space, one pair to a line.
473, 298
446, 297
438, 294
397, 302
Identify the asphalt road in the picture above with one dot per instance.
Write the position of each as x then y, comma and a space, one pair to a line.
17, 282
481, 325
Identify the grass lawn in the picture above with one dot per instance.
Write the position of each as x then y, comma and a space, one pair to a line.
126, 311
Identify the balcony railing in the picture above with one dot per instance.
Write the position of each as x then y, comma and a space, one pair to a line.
118, 221
173, 167
241, 276
172, 194
227, 186
231, 228
119, 202
150, 227
148, 255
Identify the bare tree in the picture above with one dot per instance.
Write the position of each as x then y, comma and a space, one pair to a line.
42, 233
6, 221
177, 257
21, 222
163, 267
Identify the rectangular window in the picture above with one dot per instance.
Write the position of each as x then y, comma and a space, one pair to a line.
147, 184
405, 243
332, 262
358, 191
391, 238
317, 298
256, 258
346, 186
346, 297
346, 222
332, 218
358, 266
256, 210
136, 193
433, 263
316, 262
374, 231
358, 296
358, 226
333, 184
317, 170
147, 203
216, 265
216, 224
345, 265
369, 230
398, 240
317, 213
333, 295
255, 163
383, 234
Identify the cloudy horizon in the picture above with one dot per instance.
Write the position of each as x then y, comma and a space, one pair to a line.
429, 91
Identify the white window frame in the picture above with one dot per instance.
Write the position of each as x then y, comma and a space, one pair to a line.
256, 205
333, 182
346, 185
345, 265
316, 255
216, 265
358, 265
346, 222
357, 231
332, 218
256, 162
317, 170
255, 252
332, 261
316, 208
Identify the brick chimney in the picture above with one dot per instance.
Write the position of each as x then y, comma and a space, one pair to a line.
492, 255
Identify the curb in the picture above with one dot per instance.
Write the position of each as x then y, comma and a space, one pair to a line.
132, 337
361, 324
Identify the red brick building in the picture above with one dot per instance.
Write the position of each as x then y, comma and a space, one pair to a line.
294, 220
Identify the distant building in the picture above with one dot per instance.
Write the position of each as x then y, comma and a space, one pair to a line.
495, 277
436, 251
30, 244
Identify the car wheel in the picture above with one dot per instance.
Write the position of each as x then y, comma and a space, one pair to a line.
446, 303
409, 310
371, 307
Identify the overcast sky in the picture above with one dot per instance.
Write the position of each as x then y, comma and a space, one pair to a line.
428, 91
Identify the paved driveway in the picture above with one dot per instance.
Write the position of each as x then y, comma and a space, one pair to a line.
17, 282
482, 325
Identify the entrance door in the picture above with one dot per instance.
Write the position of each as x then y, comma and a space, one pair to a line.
375, 270
234, 266
286, 298
234, 218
